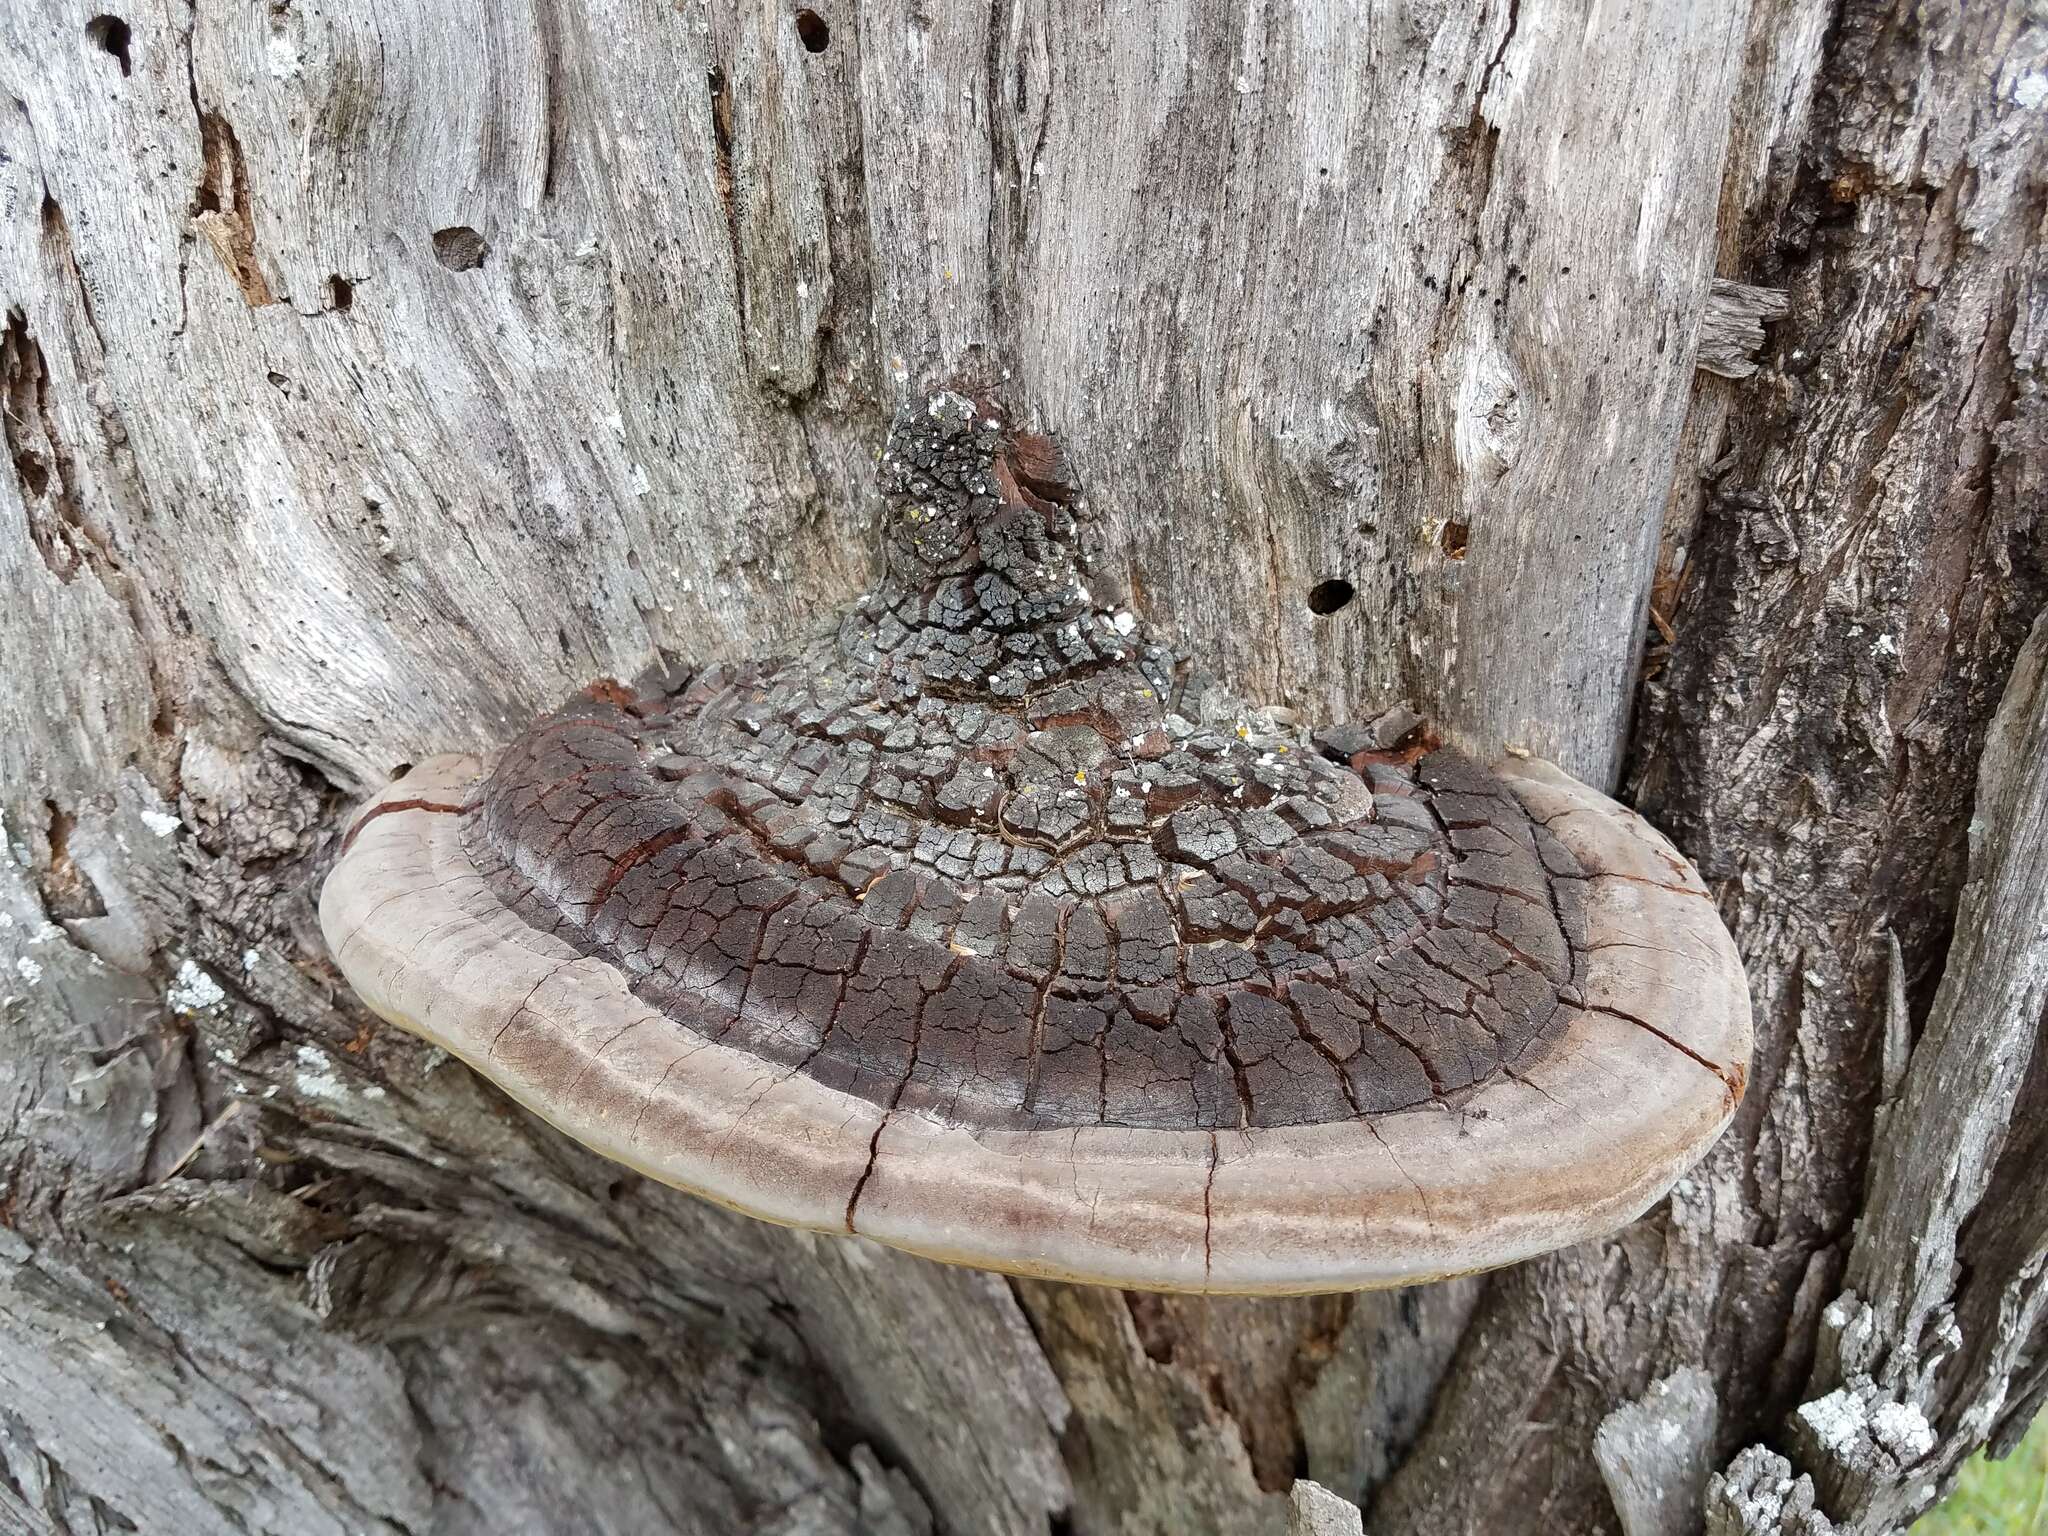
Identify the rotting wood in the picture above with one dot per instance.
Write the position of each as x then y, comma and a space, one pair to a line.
1732, 326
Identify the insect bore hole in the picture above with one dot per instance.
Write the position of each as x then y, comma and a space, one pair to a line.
460, 248
1328, 596
111, 34
1456, 536
812, 31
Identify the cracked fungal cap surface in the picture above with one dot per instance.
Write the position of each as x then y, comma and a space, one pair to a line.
989, 928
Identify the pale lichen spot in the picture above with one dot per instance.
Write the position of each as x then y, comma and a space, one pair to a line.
192, 990
317, 1077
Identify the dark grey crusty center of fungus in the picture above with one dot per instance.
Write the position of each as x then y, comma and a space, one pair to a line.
987, 849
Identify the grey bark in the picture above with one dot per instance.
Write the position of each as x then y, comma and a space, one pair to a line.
373, 375
1889, 1341
1655, 1455
1315, 1511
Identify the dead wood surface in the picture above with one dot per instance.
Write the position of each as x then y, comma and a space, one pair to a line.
372, 375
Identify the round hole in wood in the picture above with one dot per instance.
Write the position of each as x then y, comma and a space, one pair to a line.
111, 34
460, 248
1329, 595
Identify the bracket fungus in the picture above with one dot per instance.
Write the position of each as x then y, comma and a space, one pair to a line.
988, 927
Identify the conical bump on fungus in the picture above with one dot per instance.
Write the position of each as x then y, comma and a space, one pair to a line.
988, 926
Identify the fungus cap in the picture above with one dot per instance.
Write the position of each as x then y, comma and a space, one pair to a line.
989, 928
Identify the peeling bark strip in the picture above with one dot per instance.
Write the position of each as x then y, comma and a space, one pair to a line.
1732, 328
335, 545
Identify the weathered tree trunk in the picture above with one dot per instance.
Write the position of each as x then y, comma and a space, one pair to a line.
372, 375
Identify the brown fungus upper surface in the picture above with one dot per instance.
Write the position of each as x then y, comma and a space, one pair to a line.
989, 927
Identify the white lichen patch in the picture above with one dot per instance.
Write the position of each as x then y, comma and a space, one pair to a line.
1903, 1430
317, 1077
1837, 1420
193, 991
160, 822
28, 970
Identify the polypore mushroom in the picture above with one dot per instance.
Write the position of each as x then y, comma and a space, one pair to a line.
987, 927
